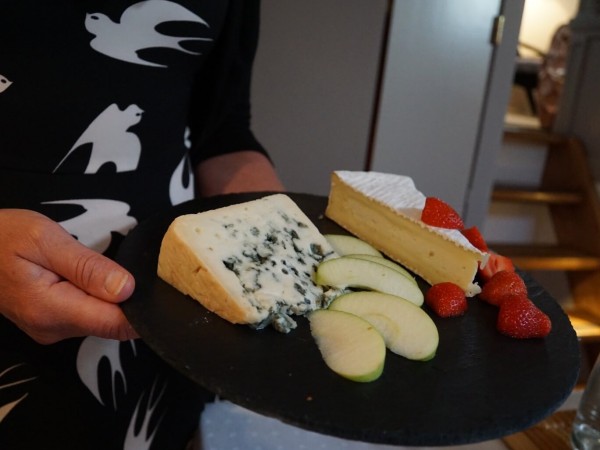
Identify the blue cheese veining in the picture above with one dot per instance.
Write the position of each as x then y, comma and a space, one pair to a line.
250, 263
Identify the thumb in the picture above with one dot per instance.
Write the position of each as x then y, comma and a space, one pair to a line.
90, 271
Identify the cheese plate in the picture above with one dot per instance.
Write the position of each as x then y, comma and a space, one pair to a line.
481, 385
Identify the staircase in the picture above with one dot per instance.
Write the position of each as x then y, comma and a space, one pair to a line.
567, 189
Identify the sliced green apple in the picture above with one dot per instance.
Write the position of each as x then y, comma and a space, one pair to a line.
351, 272
386, 262
349, 345
407, 329
350, 245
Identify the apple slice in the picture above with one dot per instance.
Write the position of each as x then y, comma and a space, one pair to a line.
387, 262
350, 245
349, 345
348, 271
407, 330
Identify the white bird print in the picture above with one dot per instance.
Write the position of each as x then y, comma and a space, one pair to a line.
7, 408
101, 218
111, 141
143, 437
179, 190
181, 185
91, 352
136, 30
4, 83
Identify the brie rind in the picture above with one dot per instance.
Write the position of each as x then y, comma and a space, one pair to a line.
385, 210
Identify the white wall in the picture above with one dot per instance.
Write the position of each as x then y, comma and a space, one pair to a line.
541, 18
314, 85
436, 97
315, 81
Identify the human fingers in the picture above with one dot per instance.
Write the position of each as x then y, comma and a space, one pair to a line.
90, 271
53, 287
63, 311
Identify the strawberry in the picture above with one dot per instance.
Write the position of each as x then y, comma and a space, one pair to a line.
502, 284
446, 299
495, 264
520, 318
475, 237
437, 213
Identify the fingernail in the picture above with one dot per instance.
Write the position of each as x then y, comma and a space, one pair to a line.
115, 281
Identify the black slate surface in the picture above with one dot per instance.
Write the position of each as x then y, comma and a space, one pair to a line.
481, 385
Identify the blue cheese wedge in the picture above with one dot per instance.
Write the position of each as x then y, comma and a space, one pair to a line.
251, 263
385, 211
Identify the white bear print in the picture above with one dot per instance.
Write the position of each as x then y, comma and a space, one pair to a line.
4, 83
136, 30
111, 142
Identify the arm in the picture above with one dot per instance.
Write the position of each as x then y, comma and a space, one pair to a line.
227, 156
225, 152
53, 287
244, 171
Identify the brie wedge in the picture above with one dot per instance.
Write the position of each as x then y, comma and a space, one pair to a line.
384, 210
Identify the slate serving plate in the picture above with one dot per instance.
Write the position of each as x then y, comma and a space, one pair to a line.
481, 385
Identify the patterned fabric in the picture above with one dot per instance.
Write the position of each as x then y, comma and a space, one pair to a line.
105, 106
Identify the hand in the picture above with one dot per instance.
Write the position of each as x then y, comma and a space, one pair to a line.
53, 287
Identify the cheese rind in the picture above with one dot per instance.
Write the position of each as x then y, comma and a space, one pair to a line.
250, 263
385, 210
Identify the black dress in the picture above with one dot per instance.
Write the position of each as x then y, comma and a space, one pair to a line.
105, 107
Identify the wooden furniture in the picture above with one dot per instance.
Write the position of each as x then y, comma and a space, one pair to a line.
553, 433
567, 189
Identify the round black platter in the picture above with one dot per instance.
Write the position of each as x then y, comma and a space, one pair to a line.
481, 385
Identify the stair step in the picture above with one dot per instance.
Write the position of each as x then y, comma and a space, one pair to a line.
585, 323
520, 195
533, 135
547, 257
